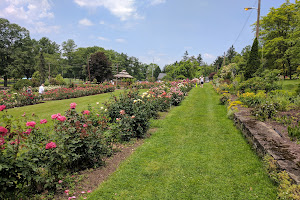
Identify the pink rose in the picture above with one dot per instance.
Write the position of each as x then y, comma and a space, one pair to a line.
2, 107
67, 191
28, 131
85, 125
73, 105
50, 145
61, 118
118, 119
132, 117
122, 112
43, 121
86, 112
15, 142
54, 116
89, 191
3, 131
2, 141
60, 181
32, 124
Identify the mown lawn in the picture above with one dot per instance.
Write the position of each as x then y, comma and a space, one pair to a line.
196, 153
290, 84
48, 108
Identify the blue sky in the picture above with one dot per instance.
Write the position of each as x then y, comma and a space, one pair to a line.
151, 30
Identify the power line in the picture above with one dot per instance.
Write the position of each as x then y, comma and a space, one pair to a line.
244, 24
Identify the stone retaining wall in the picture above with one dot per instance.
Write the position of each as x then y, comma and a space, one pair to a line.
265, 140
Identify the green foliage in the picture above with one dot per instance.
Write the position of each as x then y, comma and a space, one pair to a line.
286, 188
224, 98
20, 84
268, 82
294, 131
60, 80
265, 111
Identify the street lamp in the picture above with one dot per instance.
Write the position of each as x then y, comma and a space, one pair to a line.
258, 16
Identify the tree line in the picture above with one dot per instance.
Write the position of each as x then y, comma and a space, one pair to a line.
278, 47
22, 56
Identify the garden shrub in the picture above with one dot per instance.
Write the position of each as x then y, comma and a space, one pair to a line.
286, 188
20, 84
250, 99
294, 131
224, 98
265, 111
60, 79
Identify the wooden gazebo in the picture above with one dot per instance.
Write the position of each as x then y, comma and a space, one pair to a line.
123, 75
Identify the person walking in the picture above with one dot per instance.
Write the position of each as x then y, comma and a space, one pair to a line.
41, 89
201, 81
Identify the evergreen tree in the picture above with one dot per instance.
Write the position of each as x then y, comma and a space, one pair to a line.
253, 62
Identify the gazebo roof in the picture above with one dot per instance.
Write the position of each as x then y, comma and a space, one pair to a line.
123, 74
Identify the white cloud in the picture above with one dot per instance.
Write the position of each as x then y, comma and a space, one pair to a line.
29, 10
120, 40
85, 22
33, 13
123, 9
103, 38
41, 27
156, 2
102, 22
209, 58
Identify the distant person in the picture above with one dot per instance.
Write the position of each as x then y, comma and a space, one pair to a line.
41, 89
201, 81
29, 90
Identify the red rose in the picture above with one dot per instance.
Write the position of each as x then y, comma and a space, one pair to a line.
50, 145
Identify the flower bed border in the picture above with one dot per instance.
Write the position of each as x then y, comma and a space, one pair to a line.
266, 140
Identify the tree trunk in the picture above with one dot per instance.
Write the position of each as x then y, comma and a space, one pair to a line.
290, 68
5, 80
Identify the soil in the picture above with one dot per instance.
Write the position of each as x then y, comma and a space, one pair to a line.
94, 177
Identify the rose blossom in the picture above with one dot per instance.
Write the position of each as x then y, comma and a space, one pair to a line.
122, 112
73, 105
132, 117
3, 131
50, 145
43, 121
118, 119
2, 141
2, 107
60, 181
54, 116
86, 112
61, 118
84, 125
32, 124
28, 131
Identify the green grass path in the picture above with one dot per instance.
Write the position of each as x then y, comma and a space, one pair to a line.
196, 153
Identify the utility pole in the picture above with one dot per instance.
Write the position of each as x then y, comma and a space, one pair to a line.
88, 66
258, 16
49, 71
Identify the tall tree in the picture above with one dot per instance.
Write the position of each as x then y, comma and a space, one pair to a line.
11, 36
277, 30
230, 54
199, 59
99, 67
68, 48
253, 62
185, 56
